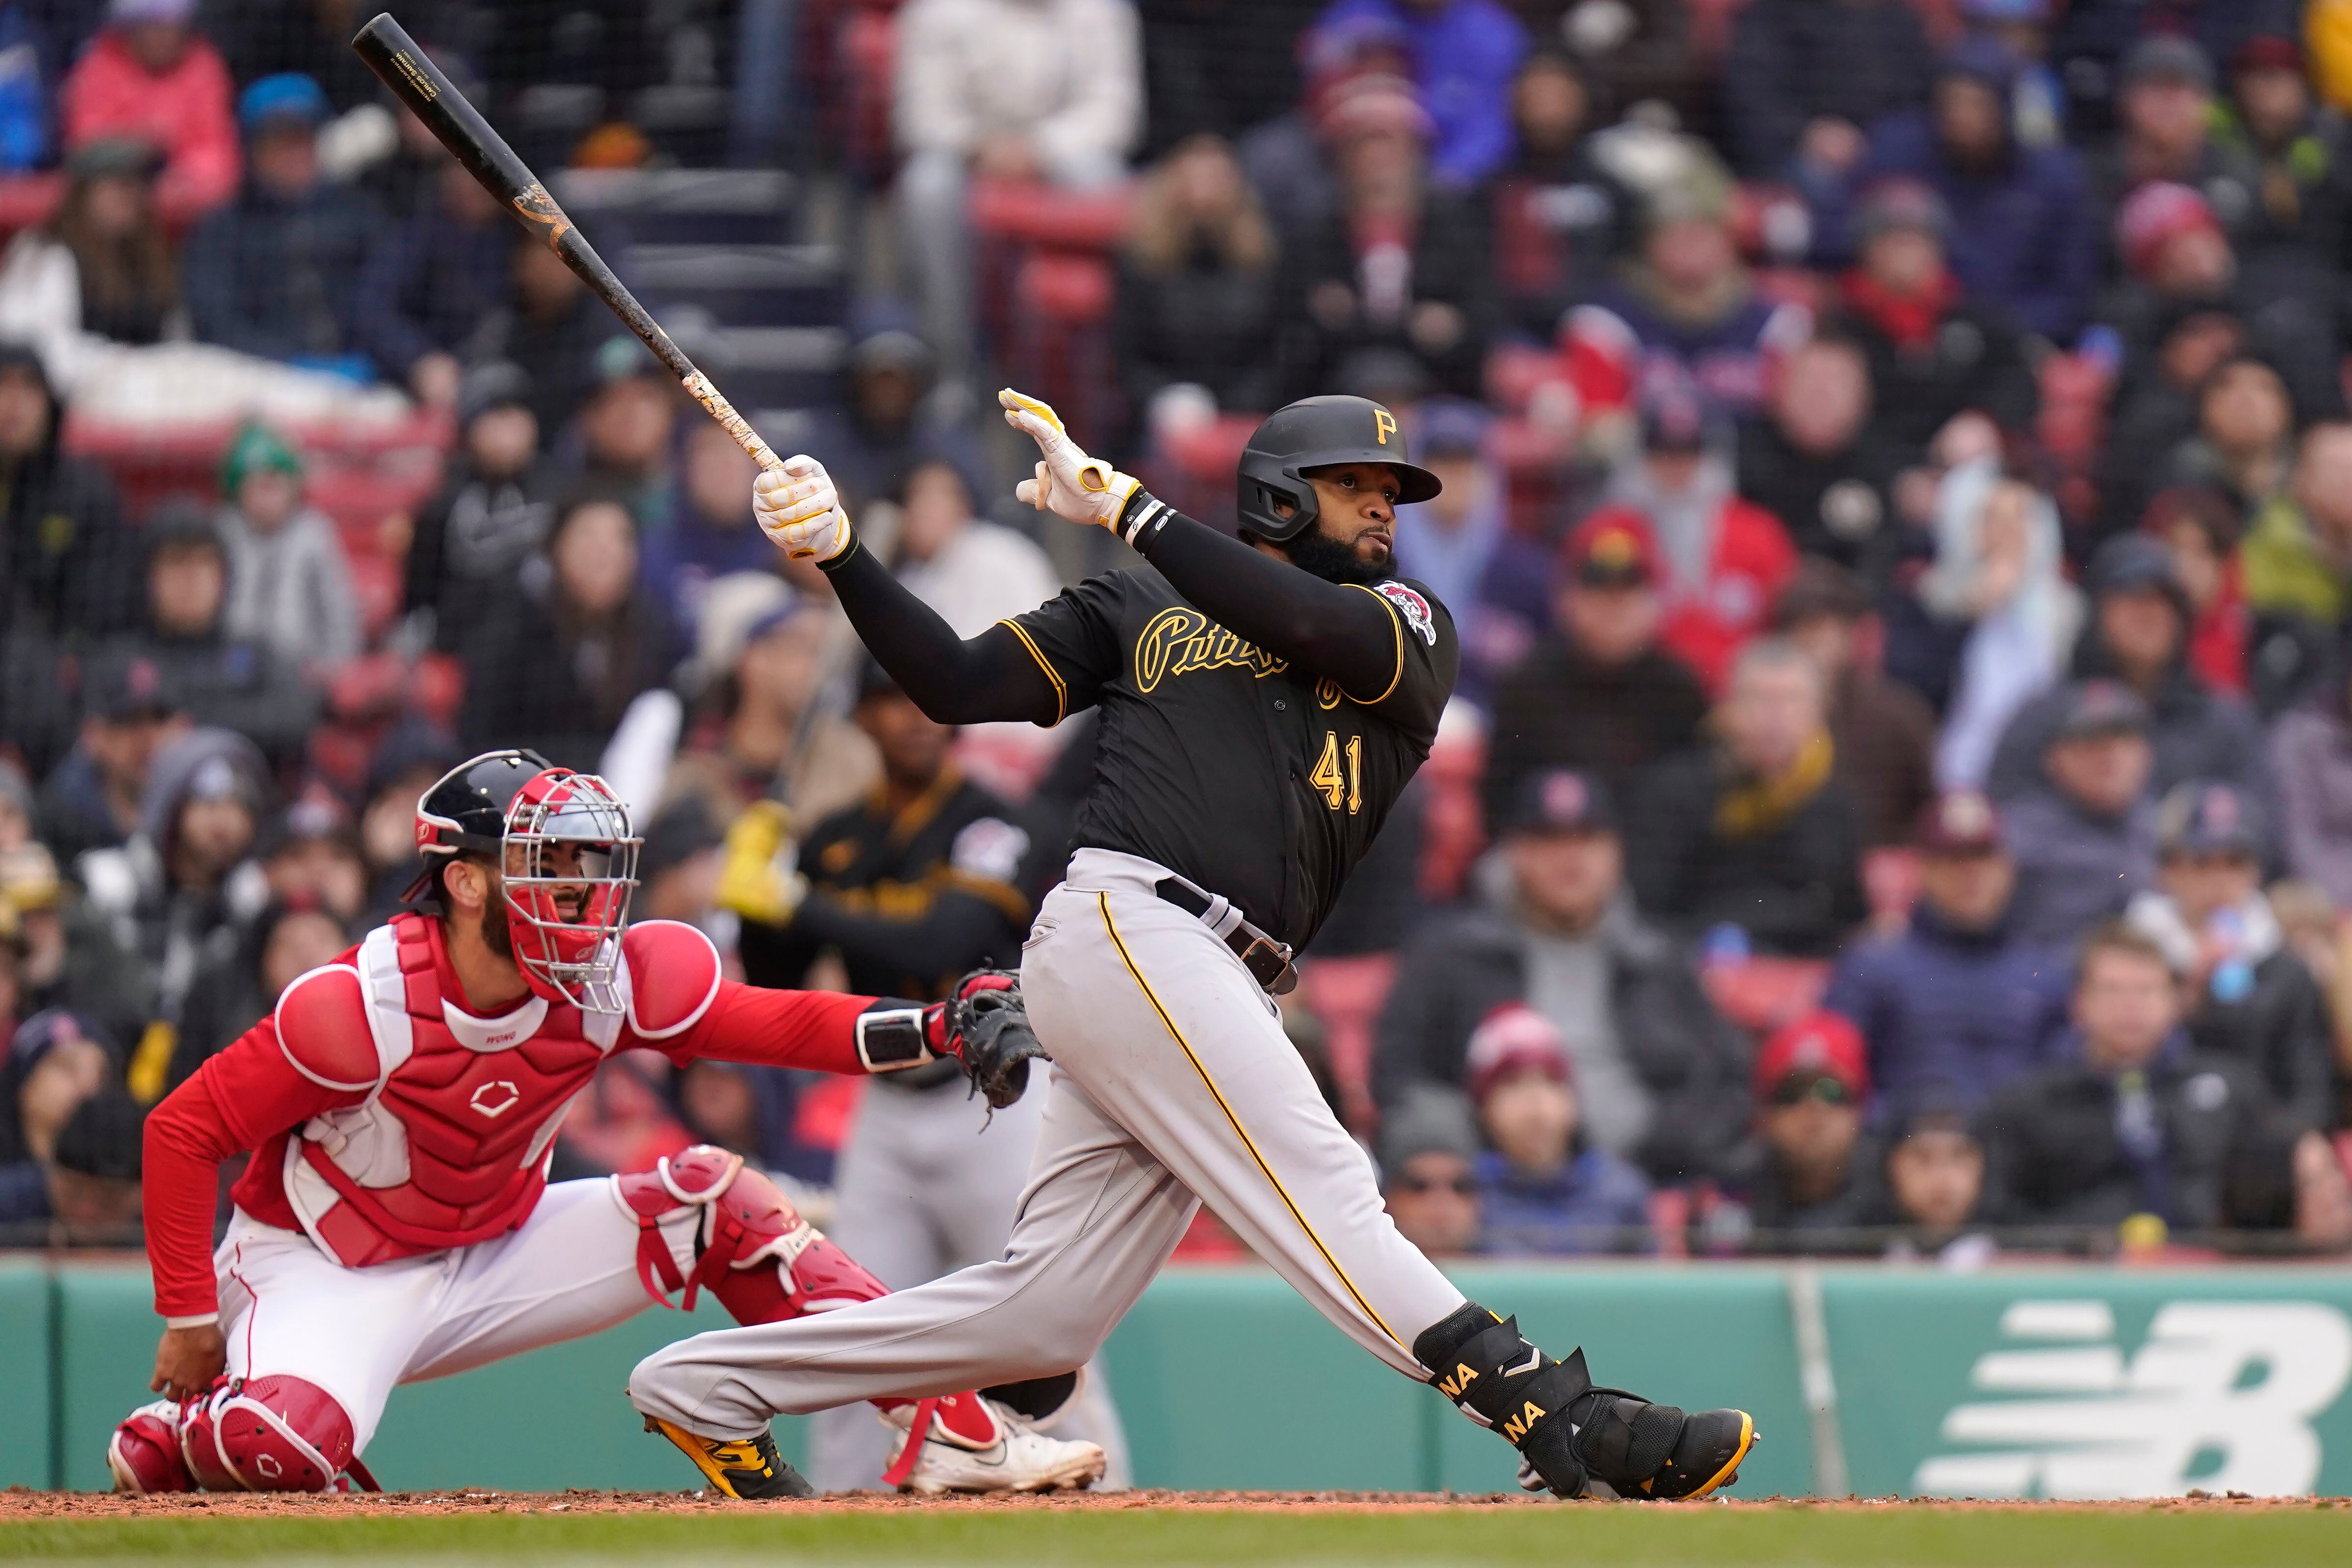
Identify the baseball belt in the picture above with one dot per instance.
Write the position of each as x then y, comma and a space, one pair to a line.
1267, 961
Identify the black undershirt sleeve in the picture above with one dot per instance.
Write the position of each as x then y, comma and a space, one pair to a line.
987, 678
1327, 628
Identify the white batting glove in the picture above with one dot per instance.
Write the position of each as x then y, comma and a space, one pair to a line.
1070, 484
798, 507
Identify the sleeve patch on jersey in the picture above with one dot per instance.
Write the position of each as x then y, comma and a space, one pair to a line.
991, 847
322, 1029
673, 976
1412, 608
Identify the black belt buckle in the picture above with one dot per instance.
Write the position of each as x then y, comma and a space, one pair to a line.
1267, 963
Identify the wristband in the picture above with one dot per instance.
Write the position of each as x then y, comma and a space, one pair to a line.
1143, 515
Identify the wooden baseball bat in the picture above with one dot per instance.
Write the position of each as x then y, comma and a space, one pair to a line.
417, 82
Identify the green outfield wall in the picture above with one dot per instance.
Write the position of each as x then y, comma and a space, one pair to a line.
2042, 1383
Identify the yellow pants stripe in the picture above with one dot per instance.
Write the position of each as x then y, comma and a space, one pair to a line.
1103, 901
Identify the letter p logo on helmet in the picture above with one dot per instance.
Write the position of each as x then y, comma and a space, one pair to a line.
1383, 425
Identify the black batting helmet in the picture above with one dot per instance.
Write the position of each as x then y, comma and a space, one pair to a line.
466, 807
1319, 433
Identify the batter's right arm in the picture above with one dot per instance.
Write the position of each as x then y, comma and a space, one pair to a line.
954, 680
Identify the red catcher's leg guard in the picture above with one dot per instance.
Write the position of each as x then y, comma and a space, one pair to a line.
266, 1435
144, 1452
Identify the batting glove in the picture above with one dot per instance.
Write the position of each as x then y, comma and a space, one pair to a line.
1070, 484
798, 507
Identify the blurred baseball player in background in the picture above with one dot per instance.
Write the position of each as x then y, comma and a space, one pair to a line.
1261, 704
395, 1222
928, 879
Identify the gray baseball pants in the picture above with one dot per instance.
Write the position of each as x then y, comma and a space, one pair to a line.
1172, 1077
929, 1182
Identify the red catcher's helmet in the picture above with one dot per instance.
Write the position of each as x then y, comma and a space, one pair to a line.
560, 838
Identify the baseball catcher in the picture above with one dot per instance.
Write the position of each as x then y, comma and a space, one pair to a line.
395, 1222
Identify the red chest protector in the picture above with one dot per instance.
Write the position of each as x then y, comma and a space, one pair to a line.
450, 1146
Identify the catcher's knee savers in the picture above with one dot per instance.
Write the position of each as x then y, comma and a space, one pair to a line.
262, 1435
1577, 1439
752, 1249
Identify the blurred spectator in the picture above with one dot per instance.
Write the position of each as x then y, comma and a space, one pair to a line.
2311, 748
2134, 1120
679, 866
1998, 591
492, 511
149, 76
1197, 284
1597, 692
551, 328
60, 1063
1755, 833
2165, 119
100, 269
1218, 67
1543, 1190
1886, 735
2244, 443
1939, 352
1718, 560
2249, 997
2085, 833
2155, 407
2298, 149
1461, 546
1634, 52
627, 429
66, 955
218, 676
1958, 1005
2013, 218
284, 942
407, 761
182, 893
1657, 1068
289, 588
1802, 1169
1819, 462
276, 272
1428, 1142
2038, 102
28, 74
1683, 312
892, 418
557, 669
1464, 53
708, 533
974, 574
2297, 556
130, 713
2202, 528
1557, 216
762, 729
2137, 633
71, 563
263, 38
431, 284
1401, 266
1005, 90
1805, 78
1933, 1170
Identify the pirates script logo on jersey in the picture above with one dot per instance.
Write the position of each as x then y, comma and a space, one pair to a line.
1412, 608
1181, 640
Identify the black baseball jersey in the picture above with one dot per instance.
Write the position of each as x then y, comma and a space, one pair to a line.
911, 901
1223, 762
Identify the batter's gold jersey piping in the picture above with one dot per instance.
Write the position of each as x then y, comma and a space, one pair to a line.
1102, 900
1396, 629
1061, 692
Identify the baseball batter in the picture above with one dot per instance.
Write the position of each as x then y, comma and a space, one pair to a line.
395, 1223
1262, 704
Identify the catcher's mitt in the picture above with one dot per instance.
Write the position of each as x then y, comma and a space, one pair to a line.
985, 1027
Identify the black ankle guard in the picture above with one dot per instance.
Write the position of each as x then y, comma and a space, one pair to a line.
1569, 1432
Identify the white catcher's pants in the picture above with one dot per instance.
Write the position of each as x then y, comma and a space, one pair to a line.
928, 1183
1172, 1076
570, 1270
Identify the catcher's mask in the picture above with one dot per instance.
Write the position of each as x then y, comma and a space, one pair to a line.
567, 860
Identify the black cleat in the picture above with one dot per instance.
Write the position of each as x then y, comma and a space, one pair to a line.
740, 1467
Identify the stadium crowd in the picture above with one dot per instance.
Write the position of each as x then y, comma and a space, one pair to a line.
1897, 514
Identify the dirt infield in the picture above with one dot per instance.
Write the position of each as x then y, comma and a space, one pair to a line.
19, 1505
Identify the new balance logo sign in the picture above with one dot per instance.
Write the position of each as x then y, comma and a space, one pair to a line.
1516, 1428
2219, 1397
495, 1100
1452, 1387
